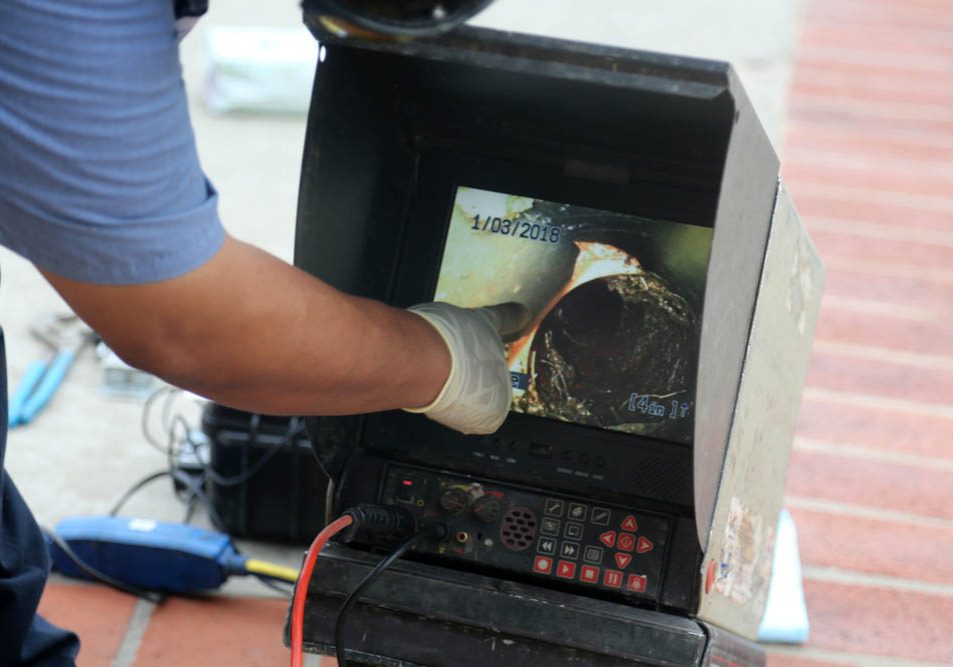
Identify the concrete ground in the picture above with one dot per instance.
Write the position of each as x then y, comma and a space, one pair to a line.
868, 139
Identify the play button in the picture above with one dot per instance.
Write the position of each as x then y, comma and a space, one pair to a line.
566, 570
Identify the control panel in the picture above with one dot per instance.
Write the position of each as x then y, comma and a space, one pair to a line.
552, 537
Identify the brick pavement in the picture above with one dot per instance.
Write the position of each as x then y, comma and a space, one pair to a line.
869, 160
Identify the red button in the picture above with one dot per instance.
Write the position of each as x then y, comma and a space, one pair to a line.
566, 570
608, 538
622, 560
626, 542
589, 574
543, 565
629, 524
612, 579
637, 583
644, 546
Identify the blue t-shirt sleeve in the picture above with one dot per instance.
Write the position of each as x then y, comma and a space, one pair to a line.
99, 176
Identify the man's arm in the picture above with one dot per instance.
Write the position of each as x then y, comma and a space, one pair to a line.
101, 188
247, 330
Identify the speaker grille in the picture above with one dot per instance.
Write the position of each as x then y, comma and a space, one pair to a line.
518, 529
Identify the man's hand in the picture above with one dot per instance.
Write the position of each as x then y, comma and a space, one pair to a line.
477, 395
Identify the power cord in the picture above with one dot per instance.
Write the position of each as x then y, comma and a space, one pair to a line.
178, 431
170, 394
196, 491
377, 520
188, 455
301, 590
434, 531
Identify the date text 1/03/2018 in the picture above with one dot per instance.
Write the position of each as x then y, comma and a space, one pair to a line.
521, 229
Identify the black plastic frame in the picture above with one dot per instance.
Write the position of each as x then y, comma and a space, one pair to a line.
408, 131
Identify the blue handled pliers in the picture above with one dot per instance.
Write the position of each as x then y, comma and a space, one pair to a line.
43, 378
39, 383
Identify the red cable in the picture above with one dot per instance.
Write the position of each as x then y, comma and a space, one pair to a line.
301, 590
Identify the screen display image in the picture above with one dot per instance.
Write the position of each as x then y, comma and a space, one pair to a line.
616, 304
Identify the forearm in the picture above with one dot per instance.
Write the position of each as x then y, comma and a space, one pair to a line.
249, 331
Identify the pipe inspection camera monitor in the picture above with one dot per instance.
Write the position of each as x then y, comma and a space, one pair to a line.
624, 512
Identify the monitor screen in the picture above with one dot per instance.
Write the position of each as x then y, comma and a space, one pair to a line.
615, 301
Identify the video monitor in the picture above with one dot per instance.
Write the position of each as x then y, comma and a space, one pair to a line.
615, 301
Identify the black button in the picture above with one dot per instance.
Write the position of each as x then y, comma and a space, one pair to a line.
593, 555
601, 516
577, 511
584, 459
554, 507
574, 531
569, 550
549, 526
546, 546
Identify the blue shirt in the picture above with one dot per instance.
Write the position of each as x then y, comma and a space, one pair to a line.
99, 176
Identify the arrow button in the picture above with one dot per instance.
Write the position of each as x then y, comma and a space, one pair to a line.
570, 550
546, 546
566, 570
608, 538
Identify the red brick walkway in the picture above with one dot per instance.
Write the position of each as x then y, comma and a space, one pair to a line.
206, 631
869, 160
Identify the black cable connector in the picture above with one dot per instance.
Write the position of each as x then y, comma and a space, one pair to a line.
378, 521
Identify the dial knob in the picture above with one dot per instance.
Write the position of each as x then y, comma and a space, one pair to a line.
487, 508
454, 501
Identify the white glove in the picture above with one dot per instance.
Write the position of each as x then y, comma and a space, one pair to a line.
477, 395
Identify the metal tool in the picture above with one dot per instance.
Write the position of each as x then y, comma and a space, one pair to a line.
66, 335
